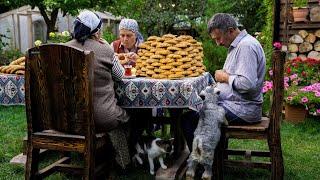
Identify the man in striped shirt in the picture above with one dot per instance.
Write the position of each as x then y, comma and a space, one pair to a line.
241, 79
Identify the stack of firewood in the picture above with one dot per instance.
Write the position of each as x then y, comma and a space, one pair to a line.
305, 45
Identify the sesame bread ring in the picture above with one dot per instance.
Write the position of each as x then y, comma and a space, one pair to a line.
162, 52
175, 76
169, 36
177, 56
163, 45
148, 54
177, 69
152, 38
158, 70
157, 56
192, 41
150, 67
173, 48
167, 73
166, 67
175, 63
156, 64
150, 61
195, 74
144, 69
143, 46
185, 66
150, 72
171, 41
182, 53
20, 72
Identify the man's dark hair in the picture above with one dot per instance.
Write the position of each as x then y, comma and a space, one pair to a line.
222, 21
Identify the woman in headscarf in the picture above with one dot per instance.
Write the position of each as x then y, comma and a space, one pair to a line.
129, 39
108, 116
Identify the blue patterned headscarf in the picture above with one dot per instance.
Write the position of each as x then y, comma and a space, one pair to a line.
132, 25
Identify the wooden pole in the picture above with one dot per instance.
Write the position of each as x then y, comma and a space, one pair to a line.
277, 169
276, 22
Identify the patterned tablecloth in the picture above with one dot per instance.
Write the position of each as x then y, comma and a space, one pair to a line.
12, 89
162, 93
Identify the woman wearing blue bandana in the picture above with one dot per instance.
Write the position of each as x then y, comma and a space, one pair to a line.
108, 116
129, 39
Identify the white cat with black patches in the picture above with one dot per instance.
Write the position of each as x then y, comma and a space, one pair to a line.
154, 148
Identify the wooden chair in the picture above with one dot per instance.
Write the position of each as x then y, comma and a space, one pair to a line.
268, 129
59, 110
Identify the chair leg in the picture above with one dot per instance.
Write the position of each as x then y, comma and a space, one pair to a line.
277, 169
89, 165
218, 162
32, 164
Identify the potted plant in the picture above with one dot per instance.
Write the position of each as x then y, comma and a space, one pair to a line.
300, 10
300, 100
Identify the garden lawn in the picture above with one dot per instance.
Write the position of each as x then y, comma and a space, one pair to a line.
300, 144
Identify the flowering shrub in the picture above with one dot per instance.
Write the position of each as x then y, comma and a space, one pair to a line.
309, 96
56, 37
301, 82
301, 73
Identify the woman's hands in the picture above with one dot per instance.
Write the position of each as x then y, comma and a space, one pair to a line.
125, 58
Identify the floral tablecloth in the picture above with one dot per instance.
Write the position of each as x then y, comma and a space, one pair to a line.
162, 93
12, 90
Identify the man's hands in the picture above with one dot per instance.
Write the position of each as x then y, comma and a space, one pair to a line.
221, 76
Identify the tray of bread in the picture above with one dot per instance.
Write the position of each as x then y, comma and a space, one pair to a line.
15, 67
170, 57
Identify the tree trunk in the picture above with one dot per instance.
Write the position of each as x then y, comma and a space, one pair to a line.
49, 22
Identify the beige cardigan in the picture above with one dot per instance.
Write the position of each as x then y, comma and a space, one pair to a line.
107, 114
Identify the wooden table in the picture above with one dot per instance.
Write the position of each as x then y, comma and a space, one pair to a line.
175, 95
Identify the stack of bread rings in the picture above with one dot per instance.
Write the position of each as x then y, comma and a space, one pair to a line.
15, 67
170, 57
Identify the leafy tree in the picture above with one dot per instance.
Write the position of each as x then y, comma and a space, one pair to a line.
49, 9
157, 17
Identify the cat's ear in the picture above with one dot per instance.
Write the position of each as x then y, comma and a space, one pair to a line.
171, 140
159, 142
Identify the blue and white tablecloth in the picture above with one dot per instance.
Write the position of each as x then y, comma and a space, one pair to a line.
12, 90
162, 93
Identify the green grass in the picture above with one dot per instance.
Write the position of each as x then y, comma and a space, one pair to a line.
300, 144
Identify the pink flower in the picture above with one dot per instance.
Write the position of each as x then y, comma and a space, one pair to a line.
270, 72
293, 76
317, 93
318, 111
304, 100
264, 89
286, 79
289, 98
277, 45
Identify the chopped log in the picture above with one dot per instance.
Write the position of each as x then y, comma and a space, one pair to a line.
316, 46
311, 38
303, 57
305, 47
293, 48
315, 14
314, 55
303, 33
317, 33
284, 48
296, 39
292, 56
